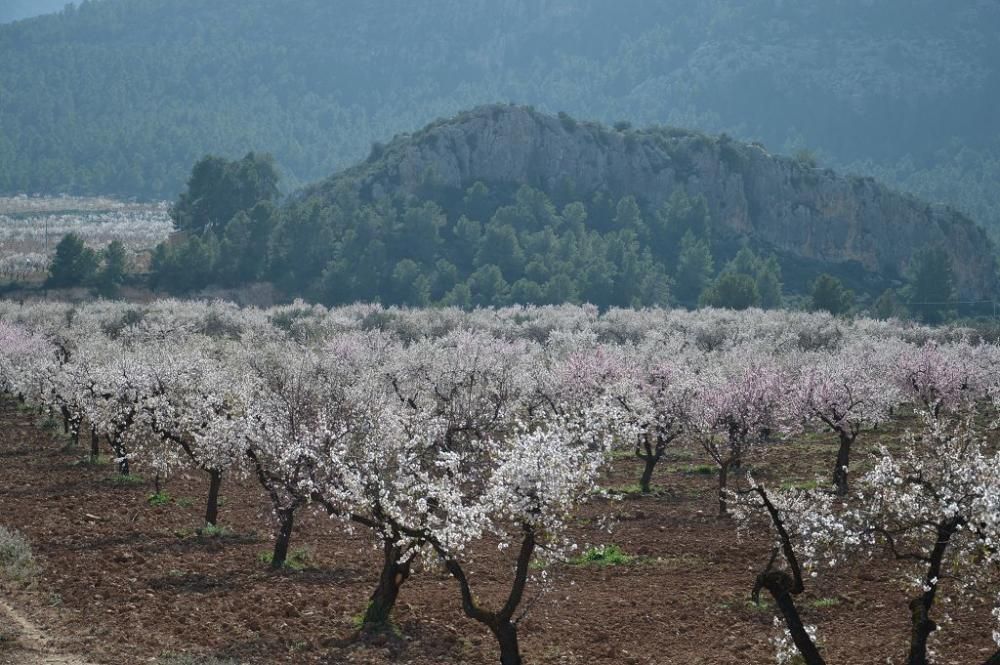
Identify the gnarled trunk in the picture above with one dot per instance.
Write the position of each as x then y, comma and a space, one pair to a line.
780, 586
723, 482
286, 519
506, 634
843, 460
920, 607
395, 572
95, 445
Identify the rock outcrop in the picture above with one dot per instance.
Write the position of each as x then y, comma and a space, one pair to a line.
790, 205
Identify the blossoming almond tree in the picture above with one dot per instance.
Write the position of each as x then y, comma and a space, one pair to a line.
740, 404
657, 401
933, 508
848, 393
533, 481
194, 383
430, 410
939, 378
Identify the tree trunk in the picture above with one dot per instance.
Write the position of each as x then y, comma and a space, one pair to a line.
803, 642
65, 417
394, 574
843, 459
723, 481
95, 445
920, 607
121, 458
212, 507
647, 473
506, 634
286, 518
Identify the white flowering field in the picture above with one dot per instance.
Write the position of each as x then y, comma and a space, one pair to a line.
551, 485
31, 227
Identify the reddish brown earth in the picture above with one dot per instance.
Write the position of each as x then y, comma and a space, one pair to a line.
125, 582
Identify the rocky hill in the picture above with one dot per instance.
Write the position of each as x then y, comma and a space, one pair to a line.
790, 205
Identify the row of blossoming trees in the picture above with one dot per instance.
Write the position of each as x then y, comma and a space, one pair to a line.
434, 429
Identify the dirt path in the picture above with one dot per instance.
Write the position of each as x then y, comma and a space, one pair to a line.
27, 644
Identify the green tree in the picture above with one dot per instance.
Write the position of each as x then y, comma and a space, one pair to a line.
766, 274
74, 263
694, 269
931, 287
680, 215
501, 247
526, 292
829, 295
889, 306
409, 285
732, 290
114, 270
488, 287
219, 188
628, 215
769, 286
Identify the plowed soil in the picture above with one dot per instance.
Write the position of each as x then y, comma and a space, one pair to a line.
123, 581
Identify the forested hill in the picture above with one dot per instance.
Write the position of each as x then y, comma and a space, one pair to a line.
122, 96
809, 215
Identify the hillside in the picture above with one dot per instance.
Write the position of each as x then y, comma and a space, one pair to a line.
122, 96
809, 215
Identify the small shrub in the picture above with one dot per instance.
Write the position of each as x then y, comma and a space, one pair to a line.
16, 559
698, 469
100, 460
160, 498
298, 559
130, 480
603, 555
214, 531
821, 603
568, 123
800, 485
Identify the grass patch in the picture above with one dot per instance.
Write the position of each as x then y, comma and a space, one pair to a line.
184, 502
207, 531
634, 490
100, 460
160, 498
821, 603
800, 485
603, 555
16, 560
214, 531
188, 659
50, 425
299, 558
131, 480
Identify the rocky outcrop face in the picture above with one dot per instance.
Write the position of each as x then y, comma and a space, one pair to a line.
790, 205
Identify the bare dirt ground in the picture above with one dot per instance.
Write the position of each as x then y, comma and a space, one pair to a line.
123, 581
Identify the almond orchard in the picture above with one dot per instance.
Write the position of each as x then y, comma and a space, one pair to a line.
434, 431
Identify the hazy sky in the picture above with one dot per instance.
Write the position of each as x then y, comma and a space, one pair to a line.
13, 10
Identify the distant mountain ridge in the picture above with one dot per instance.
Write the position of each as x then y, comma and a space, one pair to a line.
15, 10
790, 205
123, 96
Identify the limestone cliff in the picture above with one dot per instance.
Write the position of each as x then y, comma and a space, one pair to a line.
809, 213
